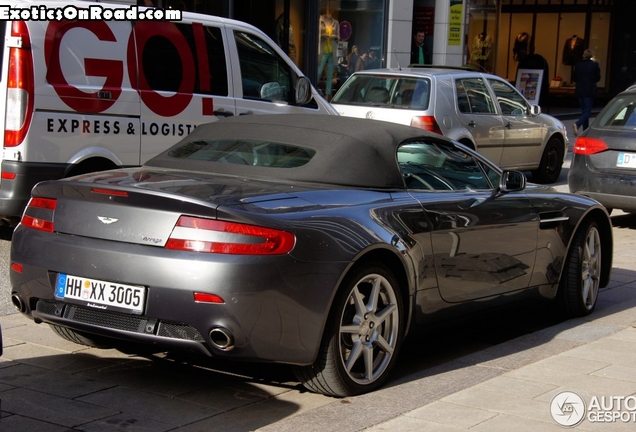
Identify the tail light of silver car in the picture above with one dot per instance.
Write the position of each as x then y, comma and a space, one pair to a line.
589, 146
39, 214
216, 236
427, 123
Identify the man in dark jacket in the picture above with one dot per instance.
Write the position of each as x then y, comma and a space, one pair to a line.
586, 74
419, 51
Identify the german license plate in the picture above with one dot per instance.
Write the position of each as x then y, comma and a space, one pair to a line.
99, 294
626, 160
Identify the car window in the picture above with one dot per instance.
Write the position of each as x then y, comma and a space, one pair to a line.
385, 90
244, 152
473, 96
164, 70
437, 167
620, 113
264, 74
510, 101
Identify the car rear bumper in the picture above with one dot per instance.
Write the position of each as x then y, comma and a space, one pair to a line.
274, 307
611, 189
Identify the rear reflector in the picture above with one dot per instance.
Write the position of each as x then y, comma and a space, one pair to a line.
215, 236
200, 297
427, 123
8, 175
39, 214
17, 267
589, 146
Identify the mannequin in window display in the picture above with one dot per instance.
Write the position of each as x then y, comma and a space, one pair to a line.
329, 37
521, 46
279, 32
482, 47
573, 52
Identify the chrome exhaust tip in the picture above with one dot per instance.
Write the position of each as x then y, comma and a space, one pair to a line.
18, 303
221, 339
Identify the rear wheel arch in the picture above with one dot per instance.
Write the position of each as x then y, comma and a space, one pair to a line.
90, 165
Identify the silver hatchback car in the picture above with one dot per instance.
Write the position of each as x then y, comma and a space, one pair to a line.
481, 111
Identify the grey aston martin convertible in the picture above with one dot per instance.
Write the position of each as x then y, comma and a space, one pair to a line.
316, 241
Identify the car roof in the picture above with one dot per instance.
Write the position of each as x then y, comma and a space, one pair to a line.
349, 151
426, 71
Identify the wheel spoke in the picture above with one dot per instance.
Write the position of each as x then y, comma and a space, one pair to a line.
350, 329
368, 362
384, 345
358, 301
386, 313
374, 295
354, 355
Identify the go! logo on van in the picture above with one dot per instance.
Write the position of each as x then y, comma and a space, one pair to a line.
113, 69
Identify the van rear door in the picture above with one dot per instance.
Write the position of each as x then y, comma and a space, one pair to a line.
183, 80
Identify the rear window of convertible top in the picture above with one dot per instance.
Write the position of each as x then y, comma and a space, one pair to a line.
244, 152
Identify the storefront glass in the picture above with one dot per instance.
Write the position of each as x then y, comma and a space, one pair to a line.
351, 37
482, 34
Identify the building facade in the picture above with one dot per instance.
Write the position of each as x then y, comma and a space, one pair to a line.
491, 35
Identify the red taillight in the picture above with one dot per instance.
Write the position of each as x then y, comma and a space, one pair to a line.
109, 192
19, 109
39, 214
427, 123
589, 146
214, 236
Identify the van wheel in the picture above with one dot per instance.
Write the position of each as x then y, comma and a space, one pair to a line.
362, 338
551, 162
90, 166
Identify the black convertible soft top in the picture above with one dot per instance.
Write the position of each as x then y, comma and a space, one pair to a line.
349, 151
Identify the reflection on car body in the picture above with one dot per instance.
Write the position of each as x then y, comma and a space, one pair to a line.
300, 239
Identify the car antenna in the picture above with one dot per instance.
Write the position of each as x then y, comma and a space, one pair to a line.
396, 59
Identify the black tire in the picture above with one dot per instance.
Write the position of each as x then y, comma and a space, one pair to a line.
581, 276
551, 163
366, 327
81, 338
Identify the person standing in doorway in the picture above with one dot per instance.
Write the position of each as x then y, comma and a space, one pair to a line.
419, 51
586, 74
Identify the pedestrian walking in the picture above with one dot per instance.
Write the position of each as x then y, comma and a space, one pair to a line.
586, 74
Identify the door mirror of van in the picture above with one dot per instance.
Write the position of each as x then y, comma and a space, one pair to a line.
303, 91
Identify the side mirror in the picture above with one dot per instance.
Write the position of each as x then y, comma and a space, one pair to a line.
512, 181
535, 110
303, 91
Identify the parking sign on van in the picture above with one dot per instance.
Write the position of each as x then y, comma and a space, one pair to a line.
83, 95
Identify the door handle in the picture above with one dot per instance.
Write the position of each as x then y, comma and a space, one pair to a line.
247, 113
472, 123
220, 113
508, 125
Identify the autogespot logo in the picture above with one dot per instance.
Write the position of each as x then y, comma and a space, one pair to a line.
567, 409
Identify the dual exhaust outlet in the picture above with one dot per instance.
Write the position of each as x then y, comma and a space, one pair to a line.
220, 337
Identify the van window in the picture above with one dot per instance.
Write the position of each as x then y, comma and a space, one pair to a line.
163, 67
265, 74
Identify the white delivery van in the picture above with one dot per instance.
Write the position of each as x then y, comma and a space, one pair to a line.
82, 95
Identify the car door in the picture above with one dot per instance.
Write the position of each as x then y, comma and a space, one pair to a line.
483, 242
476, 112
264, 81
523, 132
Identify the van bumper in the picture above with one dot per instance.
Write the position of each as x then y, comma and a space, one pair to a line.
15, 193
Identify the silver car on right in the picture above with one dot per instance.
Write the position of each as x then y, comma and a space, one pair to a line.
481, 111
604, 162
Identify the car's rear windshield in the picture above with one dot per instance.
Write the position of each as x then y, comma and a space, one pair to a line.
244, 152
620, 113
389, 91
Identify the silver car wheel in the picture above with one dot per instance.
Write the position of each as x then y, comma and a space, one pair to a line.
591, 268
369, 329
